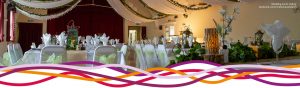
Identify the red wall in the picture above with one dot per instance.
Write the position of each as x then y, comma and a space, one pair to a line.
92, 20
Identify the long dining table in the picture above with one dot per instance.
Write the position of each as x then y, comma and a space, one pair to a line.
33, 56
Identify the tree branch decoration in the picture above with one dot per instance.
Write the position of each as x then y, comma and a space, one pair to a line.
227, 19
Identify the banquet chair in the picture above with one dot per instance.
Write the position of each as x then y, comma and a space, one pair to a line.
141, 62
150, 56
18, 50
119, 46
48, 52
130, 57
106, 55
90, 49
12, 58
5, 61
162, 56
170, 48
122, 54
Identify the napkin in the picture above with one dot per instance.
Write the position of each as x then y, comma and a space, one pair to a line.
104, 39
117, 41
61, 38
88, 40
96, 40
46, 38
112, 41
33, 46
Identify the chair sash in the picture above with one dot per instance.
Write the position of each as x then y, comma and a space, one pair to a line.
162, 55
142, 62
130, 56
150, 56
18, 50
5, 61
106, 55
11, 53
48, 52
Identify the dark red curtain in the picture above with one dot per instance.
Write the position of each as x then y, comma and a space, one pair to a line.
30, 33
1, 20
92, 20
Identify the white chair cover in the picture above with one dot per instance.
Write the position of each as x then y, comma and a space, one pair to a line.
11, 54
162, 56
150, 56
170, 48
122, 54
141, 61
18, 50
53, 49
106, 55
30, 57
131, 57
119, 46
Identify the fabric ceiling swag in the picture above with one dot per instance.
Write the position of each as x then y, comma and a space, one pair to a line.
164, 6
190, 6
126, 13
139, 8
47, 17
43, 4
228, 2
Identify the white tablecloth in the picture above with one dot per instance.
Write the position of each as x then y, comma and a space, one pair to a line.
33, 56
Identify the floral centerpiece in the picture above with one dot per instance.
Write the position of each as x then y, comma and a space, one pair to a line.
225, 27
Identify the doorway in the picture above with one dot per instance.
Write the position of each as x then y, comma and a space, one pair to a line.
30, 33
132, 36
136, 33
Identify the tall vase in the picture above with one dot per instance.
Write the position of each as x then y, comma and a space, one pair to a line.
212, 41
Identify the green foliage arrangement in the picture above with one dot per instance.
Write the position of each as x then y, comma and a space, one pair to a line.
241, 53
286, 51
193, 54
266, 51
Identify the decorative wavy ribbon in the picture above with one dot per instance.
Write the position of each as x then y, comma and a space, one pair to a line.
243, 72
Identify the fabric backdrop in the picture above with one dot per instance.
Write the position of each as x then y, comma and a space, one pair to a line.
92, 20
1, 20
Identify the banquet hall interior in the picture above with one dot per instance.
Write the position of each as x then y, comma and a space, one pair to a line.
149, 33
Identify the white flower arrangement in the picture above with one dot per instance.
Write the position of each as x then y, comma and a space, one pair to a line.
224, 28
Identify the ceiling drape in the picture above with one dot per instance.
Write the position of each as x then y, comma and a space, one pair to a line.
164, 6
125, 13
